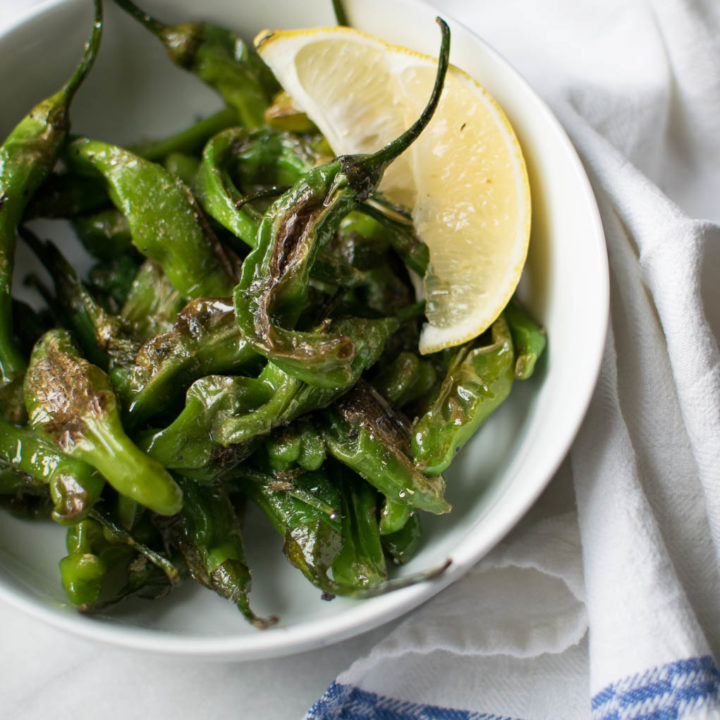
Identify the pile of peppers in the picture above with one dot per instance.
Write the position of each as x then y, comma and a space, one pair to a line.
247, 335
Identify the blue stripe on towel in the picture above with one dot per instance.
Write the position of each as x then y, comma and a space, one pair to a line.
668, 692
347, 702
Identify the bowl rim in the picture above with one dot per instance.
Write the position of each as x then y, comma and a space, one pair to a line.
367, 615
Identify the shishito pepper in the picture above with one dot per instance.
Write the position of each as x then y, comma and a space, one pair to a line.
189, 141
82, 570
296, 445
478, 380
239, 165
283, 114
407, 378
261, 156
76, 196
29, 324
105, 564
203, 340
16, 484
105, 234
529, 339
68, 195
230, 410
166, 223
207, 534
26, 159
327, 518
72, 403
102, 335
307, 512
361, 561
74, 485
152, 303
110, 281
362, 432
182, 166
273, 288
402, 544
219, 58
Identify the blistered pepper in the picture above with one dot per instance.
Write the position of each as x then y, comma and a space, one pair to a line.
219, 58
72, 403
26, 159
529, 339
207, 533
230, 410
273, 288
362, 432
74, 485
165, 221
478, 380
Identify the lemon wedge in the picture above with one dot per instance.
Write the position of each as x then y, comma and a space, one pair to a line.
464, 179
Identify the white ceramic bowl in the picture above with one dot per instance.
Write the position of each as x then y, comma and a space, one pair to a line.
134, 93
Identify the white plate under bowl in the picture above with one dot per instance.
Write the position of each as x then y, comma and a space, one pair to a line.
134, 92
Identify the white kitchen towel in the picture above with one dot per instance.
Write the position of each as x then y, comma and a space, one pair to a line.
612, 612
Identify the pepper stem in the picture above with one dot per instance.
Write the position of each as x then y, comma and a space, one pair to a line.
88, 58
340, 15
383, 157
152, 24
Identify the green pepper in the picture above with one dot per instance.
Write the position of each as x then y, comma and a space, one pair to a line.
479, 378
74, 485
529, 339
142, 532
29, 500
207, 533
217, 193
406, 378
307, 513
82, 570
282, 114
110, 281
189, 141
26, 159
105, 234
68, 195
404, 543
340, 14
165, 221
258, 157
362, 432
219, 58
182, 166
71, 401
361, 562
203, 340
152, 304
394, 515
105, 564
265, 159
273, 287
227, 411
220, 411
102, 336
16, 483
398, 223
29, 324
296, 445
